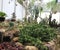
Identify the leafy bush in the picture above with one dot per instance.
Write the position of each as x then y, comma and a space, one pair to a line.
35, 34
2, 14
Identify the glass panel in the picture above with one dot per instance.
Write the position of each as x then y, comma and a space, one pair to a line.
58, 0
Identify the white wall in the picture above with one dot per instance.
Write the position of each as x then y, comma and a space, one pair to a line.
57, 17
9, 9
54, 16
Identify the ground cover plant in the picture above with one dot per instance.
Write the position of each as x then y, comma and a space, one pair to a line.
36, 34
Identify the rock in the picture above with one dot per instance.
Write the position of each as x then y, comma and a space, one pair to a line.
8, 34
2, 30
50, 45
18, 44
31, 48
15, 39
16, 34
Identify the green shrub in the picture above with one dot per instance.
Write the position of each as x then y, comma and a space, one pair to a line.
2, 14
36, 34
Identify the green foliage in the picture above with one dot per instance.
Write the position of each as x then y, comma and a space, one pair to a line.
20, 1
2, 14
35, 34
53, 6
11, 24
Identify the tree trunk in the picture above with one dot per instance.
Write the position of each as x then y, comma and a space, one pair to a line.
50, 16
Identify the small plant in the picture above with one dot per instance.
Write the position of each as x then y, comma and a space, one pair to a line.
2, 14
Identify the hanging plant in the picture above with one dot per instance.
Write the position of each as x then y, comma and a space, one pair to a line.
2, 16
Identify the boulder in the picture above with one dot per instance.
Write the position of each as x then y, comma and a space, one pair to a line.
31, 48
15, 39
50, 45
2, 30
18, 44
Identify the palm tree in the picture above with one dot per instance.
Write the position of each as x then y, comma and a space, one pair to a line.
52, 5
31, 8
28, 7
54, 8
35, 8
